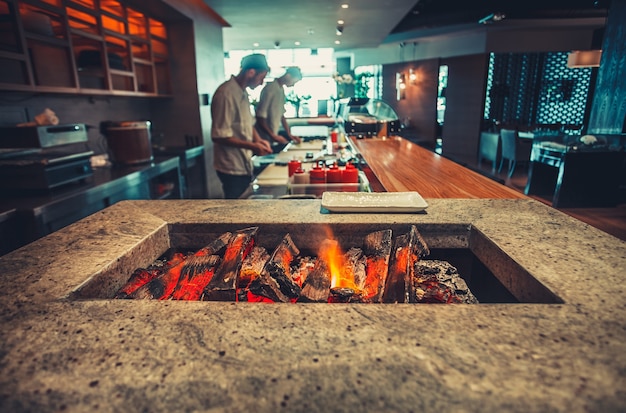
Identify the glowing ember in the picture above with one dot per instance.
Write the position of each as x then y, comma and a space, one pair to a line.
235, 268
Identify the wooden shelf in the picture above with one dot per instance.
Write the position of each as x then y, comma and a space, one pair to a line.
47, 39
59, 34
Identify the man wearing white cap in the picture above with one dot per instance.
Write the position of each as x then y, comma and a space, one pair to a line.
232, 131
270, 112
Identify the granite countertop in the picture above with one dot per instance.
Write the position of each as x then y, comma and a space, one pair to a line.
59, 354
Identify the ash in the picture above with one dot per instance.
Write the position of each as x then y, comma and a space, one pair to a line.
439, 282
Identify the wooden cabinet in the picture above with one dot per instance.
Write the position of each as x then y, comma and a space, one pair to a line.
82, 46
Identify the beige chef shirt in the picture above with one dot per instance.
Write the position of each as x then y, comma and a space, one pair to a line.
231, 117
272, 105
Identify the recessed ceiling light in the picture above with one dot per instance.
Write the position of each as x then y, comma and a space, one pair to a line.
337, 42
345, 6
255, 44
340, 22
297, 43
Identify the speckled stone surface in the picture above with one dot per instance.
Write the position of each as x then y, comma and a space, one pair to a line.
58, 353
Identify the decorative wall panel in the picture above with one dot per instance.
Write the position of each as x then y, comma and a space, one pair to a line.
530, 89
608, 113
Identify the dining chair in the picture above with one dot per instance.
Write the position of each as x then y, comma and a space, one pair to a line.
515, 150
489, 149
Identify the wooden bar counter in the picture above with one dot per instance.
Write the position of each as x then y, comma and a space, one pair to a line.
400, 165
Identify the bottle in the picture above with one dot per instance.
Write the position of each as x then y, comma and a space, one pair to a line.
350, 177
300, 181
333, 136
333, 174
317, 179
317, 175
300, 177
293, 165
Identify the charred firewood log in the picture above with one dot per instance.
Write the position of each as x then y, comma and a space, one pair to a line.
195, 277
223, 285
341, 295
162, 287
421, 248
377, 248
252, 266
316, 288
407, 249
301, 269
275, 280
440, 282
354, 267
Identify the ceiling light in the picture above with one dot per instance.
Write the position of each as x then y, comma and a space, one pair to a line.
493, 17
337, 42
297, 43
255, 44
339, 30
340, 22
584, 58
345, 6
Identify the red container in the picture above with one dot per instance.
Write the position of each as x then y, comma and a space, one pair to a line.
333, 136
350, 176
333, 175
317, 175
317, 178
293, 165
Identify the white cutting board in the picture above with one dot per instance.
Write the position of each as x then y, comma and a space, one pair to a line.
310, 146
273, 175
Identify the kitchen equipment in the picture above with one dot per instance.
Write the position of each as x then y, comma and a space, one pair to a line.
129, 142
42, 136
43, 169
43, 157
369, 117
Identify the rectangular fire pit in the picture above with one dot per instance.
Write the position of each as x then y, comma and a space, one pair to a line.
552, 341
492, 276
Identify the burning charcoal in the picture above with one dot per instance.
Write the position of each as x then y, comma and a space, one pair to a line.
217, 246
162, 287
399, 287
434, 292
267, 287
143, 276
252, 266
396, 290
354, 267
377, 248
421, 248
301, 270
242, 295
139, 278
275, 280
341, 295
195, 277
223, 285
316, 288
438, 281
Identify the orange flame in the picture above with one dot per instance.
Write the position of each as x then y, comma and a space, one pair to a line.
332, 254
